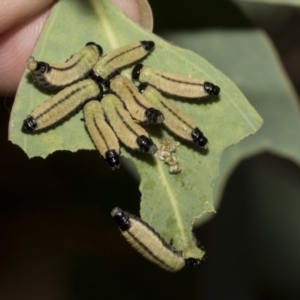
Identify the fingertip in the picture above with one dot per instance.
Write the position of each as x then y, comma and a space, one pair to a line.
16, 45
137, 10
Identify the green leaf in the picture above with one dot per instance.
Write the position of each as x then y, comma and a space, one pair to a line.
249, 58
170, 203
278, 2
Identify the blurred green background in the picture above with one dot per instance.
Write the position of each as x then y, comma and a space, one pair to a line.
58, 240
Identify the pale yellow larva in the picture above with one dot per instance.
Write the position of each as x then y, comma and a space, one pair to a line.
120, 58
101, 133
174, 84
149, 243
137, 105
176, 121
58, 76
61, 106
127, 130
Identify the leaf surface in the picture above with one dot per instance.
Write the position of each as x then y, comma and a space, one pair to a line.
250, 60
170, 203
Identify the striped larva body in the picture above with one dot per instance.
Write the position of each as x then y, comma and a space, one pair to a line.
58, 76
173, 84
137, 105
120, 58
61, 106
176, 121
127, 130
101, 133
149, 243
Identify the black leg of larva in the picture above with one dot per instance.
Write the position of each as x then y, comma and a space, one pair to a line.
193, 262
98, 79
108, 80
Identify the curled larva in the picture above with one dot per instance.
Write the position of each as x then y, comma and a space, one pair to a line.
149, 243
57, 76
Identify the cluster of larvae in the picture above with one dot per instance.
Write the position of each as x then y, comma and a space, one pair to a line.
117, 113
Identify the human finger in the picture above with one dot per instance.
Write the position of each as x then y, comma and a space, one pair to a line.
15, 47
18, 11
17, 44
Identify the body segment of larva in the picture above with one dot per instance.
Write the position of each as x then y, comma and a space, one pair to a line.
120, 58
58, 76
127, 130
149, 243
137, 105
173, 84
101, 133
176, 121
61, 106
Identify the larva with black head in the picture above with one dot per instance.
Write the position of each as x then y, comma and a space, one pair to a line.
58, 76
176, 121
127, 130
61, 106
137, 105
120, 58
174, 84
149, 243
101, 133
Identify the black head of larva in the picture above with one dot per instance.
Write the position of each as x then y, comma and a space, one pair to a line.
211, 89
146, 144
121, 218
100, 50
154, 116
198, 137
136, 71
29, 125
193, 262
42, 67
113, 159
142, 87
148, 45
